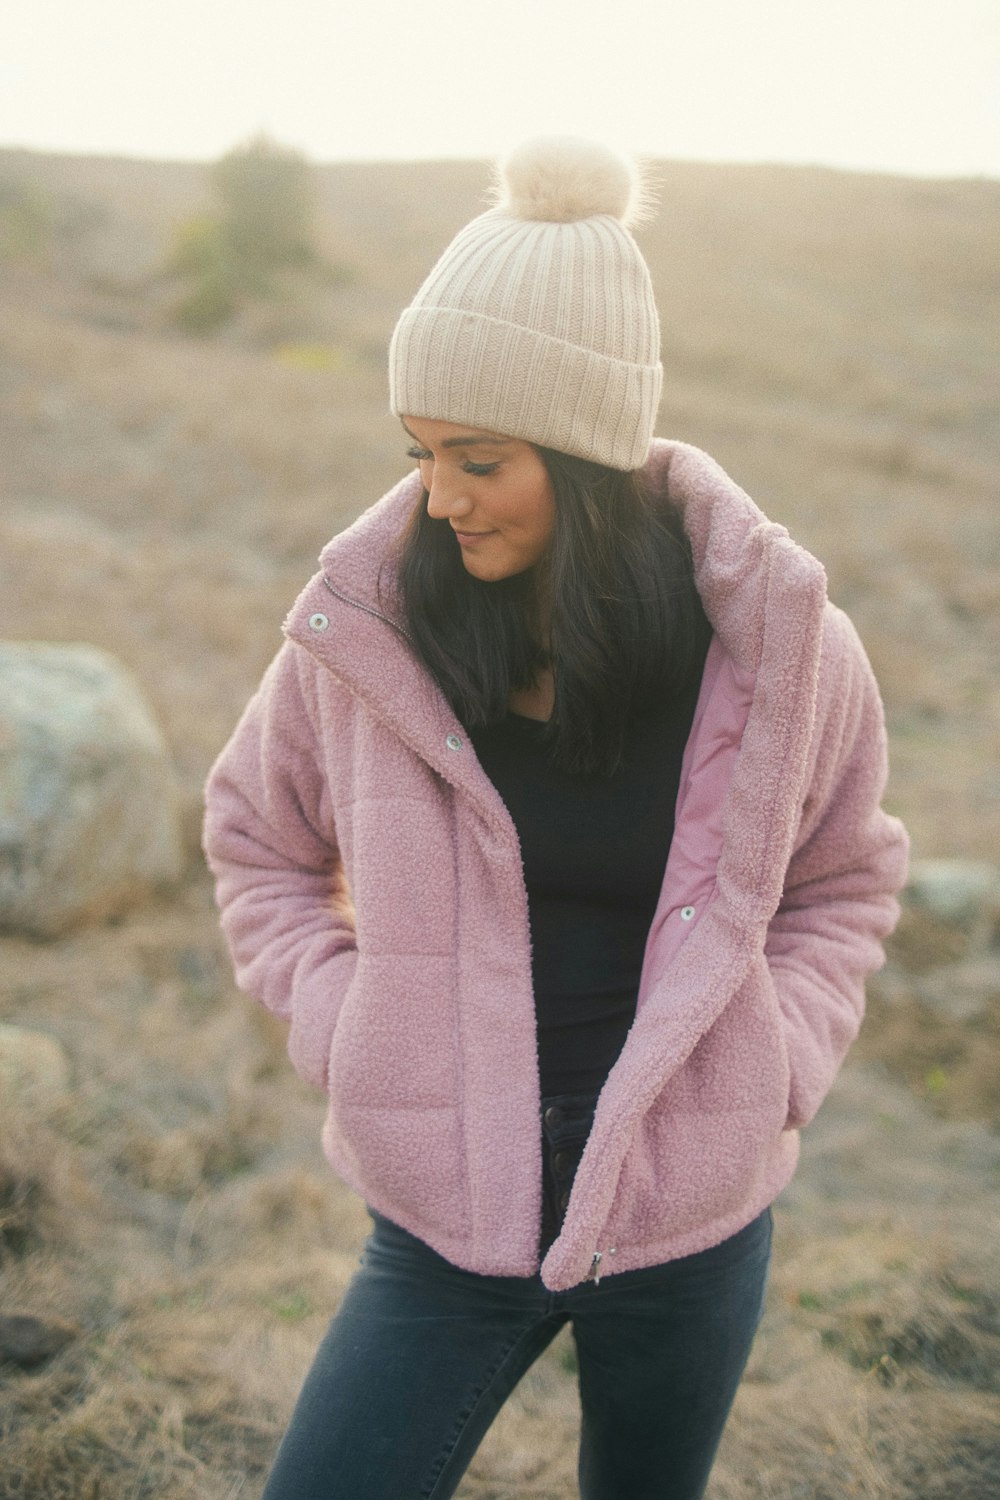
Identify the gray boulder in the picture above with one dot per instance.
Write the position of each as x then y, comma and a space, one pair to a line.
89, 813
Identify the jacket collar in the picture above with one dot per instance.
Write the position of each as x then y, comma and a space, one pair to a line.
362, 641
764, 596
360, 562
766, 599
740, 557
745, 566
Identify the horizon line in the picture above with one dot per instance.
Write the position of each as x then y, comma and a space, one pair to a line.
440, 158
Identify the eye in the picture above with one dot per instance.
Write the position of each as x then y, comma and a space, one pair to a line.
481, 470
420, 454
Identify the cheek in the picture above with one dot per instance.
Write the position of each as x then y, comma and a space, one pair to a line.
546, 511
528, 510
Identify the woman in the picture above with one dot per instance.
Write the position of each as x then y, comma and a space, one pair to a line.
554, 831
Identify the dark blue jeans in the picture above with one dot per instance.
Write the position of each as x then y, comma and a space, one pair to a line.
421, 1356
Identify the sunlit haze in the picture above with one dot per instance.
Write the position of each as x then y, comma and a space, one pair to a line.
891, 85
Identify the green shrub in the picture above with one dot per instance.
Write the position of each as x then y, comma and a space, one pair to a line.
262, 232
27, 220
201, 255
267, 200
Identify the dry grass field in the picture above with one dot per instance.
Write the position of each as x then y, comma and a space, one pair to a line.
833, 340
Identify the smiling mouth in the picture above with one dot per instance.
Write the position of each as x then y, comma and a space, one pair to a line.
462, 537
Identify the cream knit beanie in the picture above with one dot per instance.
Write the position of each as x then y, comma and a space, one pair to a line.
538, 321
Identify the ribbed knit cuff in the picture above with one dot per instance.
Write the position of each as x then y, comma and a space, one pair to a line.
457, 366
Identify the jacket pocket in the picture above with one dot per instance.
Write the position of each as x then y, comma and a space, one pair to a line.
771, 1012
407, 1162
709, 1138
396, 1039
317, 1003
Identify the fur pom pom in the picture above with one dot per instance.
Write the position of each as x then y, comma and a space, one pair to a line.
560, 179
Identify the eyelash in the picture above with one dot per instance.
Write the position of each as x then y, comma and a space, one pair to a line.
479, 471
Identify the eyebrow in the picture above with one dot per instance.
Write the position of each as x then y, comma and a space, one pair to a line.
466, 440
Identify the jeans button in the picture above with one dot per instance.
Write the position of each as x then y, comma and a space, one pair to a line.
564, 1200
563, 1162
553, 1116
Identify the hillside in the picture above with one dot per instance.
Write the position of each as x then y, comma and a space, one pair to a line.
833, 340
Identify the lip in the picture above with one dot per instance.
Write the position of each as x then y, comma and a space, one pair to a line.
470, 538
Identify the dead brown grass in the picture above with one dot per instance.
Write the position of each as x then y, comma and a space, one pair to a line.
933, 1014
832, 339
176, 1209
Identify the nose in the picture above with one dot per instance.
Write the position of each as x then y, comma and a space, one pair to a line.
446, 497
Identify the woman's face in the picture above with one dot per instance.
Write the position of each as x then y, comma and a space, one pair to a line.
493, 491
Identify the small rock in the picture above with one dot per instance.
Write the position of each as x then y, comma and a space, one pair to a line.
33, 1063
28, 1341
962, 992
955, 890
890, 986
89, 809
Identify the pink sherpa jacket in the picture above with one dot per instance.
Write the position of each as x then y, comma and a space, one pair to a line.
371, 890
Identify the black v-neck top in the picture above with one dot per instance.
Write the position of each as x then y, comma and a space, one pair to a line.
594, 850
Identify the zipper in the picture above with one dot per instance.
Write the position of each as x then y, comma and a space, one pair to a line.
366, 608
594, 1274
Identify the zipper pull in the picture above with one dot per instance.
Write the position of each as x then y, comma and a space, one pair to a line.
594, 1274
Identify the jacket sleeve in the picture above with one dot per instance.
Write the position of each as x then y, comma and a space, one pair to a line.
849, 861
270, 843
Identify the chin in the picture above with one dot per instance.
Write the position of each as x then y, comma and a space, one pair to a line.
487, 574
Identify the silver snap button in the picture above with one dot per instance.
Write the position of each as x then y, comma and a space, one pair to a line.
318, 622
687, 912
454, 742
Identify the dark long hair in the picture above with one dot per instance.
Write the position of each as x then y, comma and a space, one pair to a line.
626, 630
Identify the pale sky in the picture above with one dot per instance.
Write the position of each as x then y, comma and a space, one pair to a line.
907, 86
